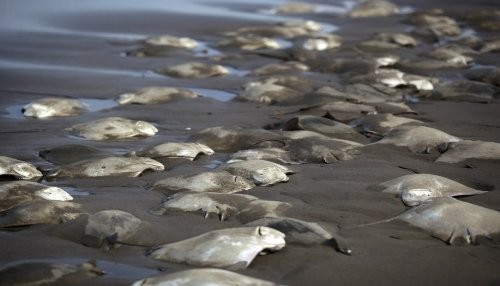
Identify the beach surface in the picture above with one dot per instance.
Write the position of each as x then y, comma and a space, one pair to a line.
78, 50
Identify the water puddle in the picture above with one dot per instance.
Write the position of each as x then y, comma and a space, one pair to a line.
6, 64
74, 193
111, 269
217, 94
94, 105
237, 72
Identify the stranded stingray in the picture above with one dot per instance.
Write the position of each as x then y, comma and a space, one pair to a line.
176, 150
70, 153
322, 150
324, 126
269, 154
417, 139
233, 248
113, 128
39, 212
155, 95
18, 169
303, 232
193, 70
453, 221
108, 166
382, 123
110, 225
244, 207
203, 277
260, 172
52, 107
237, 138
44, 273
468, 149
217, 181
18, 192
416, 188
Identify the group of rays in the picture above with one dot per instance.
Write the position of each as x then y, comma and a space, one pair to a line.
334, 123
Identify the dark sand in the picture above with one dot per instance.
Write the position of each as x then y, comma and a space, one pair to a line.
76, 52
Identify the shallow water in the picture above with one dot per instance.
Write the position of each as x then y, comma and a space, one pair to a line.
214, 93
111, 269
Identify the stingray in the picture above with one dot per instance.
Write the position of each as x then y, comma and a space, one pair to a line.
420, 82
269, 154
19, 169
433, 24
54, 107
418, 139
325, 126
216, 181
298, 84
453, 221
389, 77
231, 248
356, 93
382, 123
450, 56
303, 232
373, 8
373, 93
44, 273
401, 39
340, 110
70, 153
268, 93
110, 226
113, 128
416, 188
280, 68
244, 207
467, 149
248, 43
289, 29
320, 42
489, 75
490, 46
386, 60
348, 67
203, 277
236, 138
40, 212
260, 172
465, 90
107, 166
155, 95
294, 8
322, 150
372, 46
194, 70
175, 150
172, 41
18, 192
393, 107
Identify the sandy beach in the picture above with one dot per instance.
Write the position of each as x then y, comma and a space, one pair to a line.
82, 51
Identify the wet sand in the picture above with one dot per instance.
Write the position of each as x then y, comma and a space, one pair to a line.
78, 53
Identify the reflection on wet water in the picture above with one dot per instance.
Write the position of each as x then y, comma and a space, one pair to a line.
111, 269
6, 64
214, 93
26, 15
